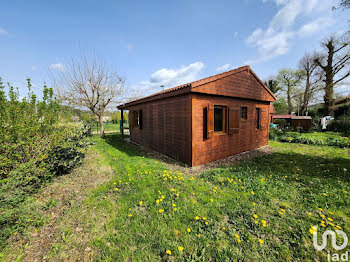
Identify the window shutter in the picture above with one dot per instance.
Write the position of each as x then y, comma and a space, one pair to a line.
140, 119
210, 121
233, 122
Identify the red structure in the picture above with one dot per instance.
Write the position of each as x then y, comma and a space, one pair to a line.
296, 122
205, 120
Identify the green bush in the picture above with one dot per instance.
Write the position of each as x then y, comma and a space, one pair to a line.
341, 124
36, 143
321, 139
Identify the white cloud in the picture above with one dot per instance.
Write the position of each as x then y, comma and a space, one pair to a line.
58, 67
225, 67
33, 68
314, 26
235, 34
278, 38
168, 78
3, 31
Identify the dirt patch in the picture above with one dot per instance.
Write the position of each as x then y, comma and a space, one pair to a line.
67, 193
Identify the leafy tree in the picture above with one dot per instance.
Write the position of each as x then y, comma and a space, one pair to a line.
311, 79
272, 84
281, 106
288, 81
334, 63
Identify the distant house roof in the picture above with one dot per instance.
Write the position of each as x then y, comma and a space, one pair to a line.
290, 116
189, 86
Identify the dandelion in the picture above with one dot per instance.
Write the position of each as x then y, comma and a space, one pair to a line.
324, 194
177, 194
255, 216
309, 213
313, 230
157, 201
320, 209
263, 223
168, 252
141, 203
252, 193
130, 215
331, 224
204, 218
161, 210
188, 229
175, 209
330, 219
180, 248
116, 189
206, 223
199, 235
197, 217
174, 205
254, 204
331, 213
261, 241
211, 200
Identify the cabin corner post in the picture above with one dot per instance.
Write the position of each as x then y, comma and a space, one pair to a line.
122, 123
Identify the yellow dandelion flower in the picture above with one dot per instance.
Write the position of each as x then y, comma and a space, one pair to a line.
157, 201
323, 225
174, 205
252, 193
175, 209
130, 215
197, 217
331, 224
141, 203
116, 189
254, 203
199, 235
313, 230
331, 213
206, 223
324, 194
261, 241
188, 229
256, 222
168, 252
309, 213
255, 216
320, 209
161, 210
204, 218
177, 194
223, 228
211, 200
330, 219
180, 248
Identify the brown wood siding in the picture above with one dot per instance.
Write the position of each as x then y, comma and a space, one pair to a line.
218, 146
242, 85
166, 127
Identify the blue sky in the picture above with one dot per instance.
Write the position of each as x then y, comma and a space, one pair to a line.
154, 43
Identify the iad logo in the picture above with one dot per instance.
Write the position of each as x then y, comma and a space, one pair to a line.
333, 238
335, 256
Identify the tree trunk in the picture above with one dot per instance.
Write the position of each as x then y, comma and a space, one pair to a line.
329, 92
102, 129
289, 101
306, 98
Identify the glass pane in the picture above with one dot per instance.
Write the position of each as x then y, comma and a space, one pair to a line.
218, 119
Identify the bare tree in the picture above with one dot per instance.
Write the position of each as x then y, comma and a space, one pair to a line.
90, 84
311, 78
334, 63
288, 81
345, 3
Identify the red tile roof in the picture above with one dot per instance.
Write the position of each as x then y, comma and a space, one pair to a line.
193, 84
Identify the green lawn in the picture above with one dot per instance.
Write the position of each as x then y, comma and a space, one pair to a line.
261, 209
257, 210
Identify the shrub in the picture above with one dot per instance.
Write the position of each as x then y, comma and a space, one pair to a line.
341, 124
35, 145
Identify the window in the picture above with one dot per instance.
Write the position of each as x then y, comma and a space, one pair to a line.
257, 118
137, 119
244, 113
220, 118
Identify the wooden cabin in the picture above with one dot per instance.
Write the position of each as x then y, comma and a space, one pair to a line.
295, 122
204, 120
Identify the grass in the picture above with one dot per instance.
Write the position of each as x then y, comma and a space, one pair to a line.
327, 134
261, 209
